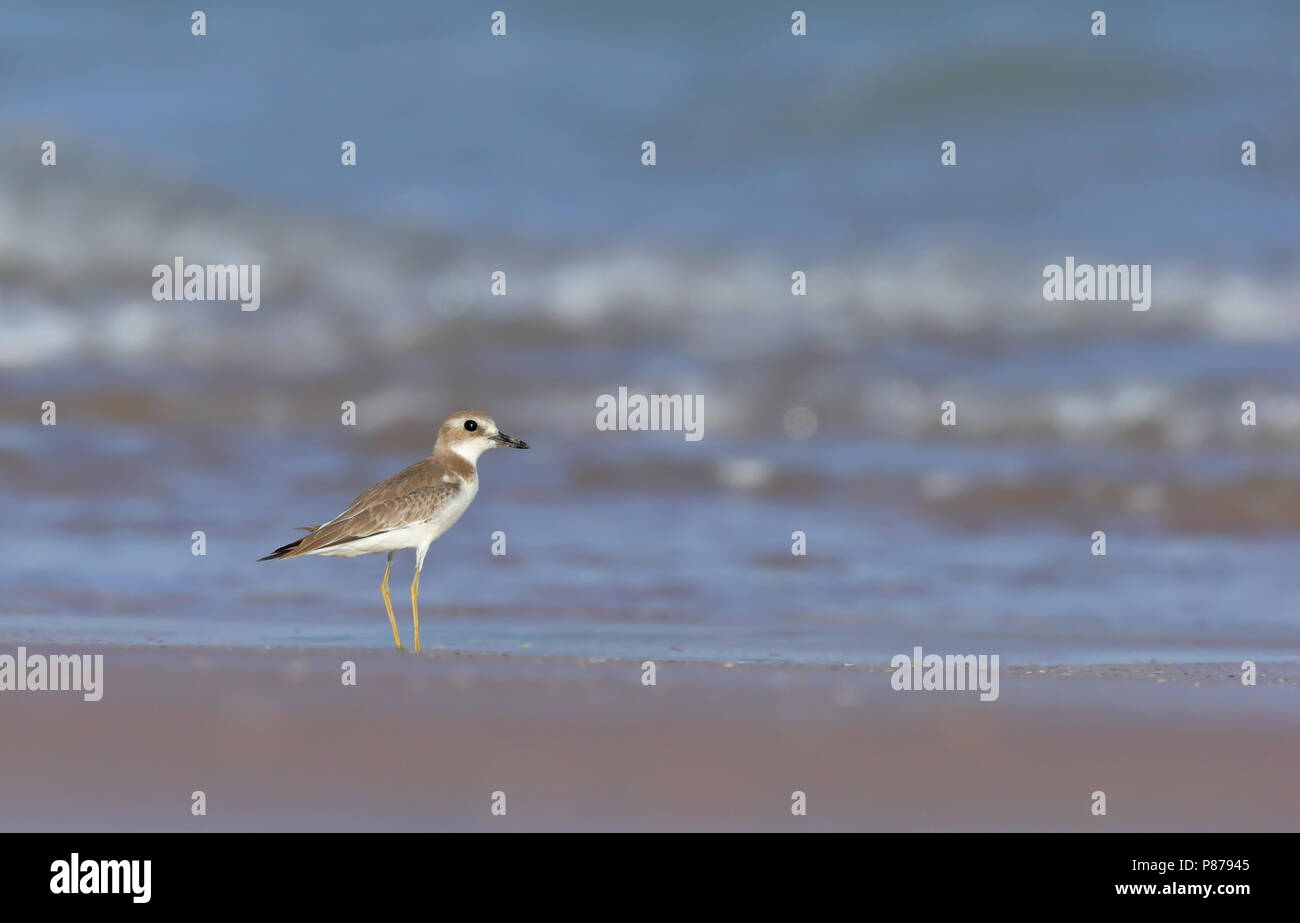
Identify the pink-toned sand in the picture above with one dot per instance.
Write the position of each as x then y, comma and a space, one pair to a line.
277, 742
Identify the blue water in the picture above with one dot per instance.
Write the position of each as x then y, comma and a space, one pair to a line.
1127, 143
775, 153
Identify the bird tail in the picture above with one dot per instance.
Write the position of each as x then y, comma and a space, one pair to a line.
283, 551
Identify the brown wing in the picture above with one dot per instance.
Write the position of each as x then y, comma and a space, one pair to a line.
412, 495
424, 472
418, 505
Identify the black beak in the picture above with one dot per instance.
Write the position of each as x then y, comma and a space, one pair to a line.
511, 441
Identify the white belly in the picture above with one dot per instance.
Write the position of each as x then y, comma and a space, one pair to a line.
412, 536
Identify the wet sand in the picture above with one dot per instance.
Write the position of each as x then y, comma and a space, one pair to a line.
277, 742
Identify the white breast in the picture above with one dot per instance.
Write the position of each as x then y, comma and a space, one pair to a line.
447, 515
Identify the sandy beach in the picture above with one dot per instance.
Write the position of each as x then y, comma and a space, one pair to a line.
278, 743
973, 333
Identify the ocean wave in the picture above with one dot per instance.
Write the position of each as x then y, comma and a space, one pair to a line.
879, 341
76, 259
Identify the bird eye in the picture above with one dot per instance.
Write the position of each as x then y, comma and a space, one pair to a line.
471, 425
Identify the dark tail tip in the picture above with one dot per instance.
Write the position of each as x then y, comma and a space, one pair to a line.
281, 551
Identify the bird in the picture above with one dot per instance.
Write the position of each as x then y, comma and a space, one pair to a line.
409, 509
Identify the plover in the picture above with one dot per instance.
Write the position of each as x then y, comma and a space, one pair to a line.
411, 508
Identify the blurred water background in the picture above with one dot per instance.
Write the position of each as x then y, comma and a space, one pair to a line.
775, 153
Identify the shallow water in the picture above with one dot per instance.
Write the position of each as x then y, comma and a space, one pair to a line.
924, 286
685, 566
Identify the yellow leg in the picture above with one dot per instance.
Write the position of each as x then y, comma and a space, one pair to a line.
415, 608
388, 603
